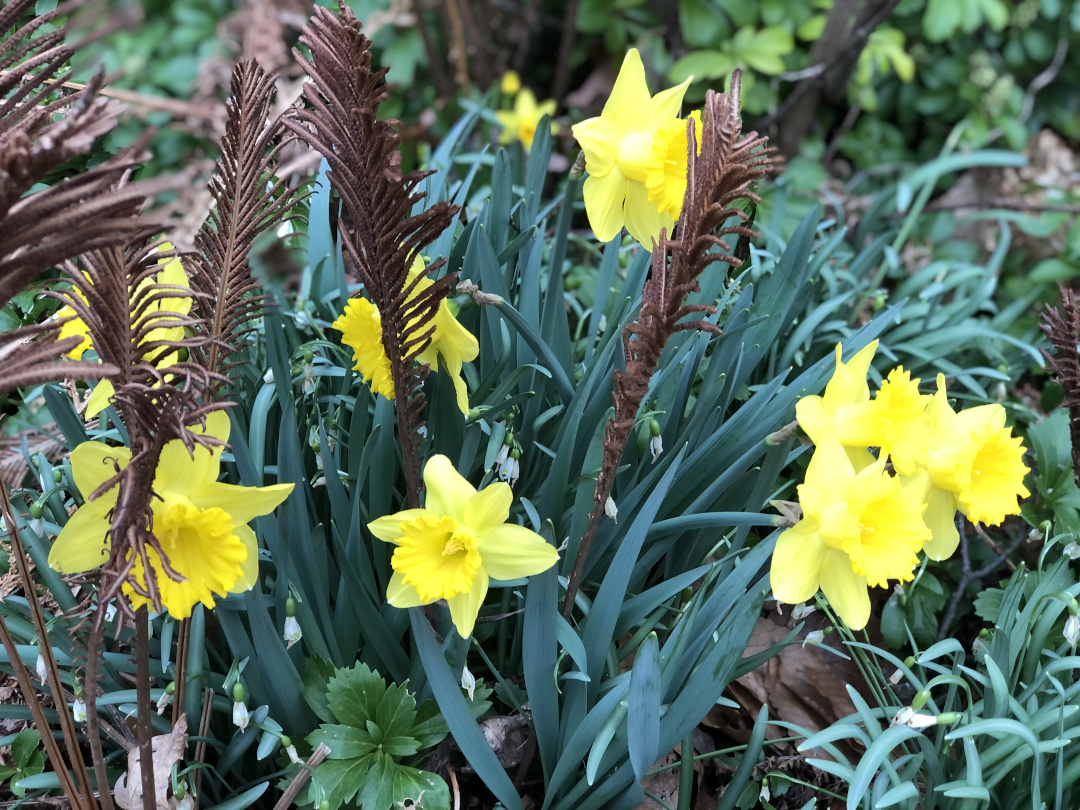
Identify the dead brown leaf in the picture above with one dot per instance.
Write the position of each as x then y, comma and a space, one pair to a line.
167, 749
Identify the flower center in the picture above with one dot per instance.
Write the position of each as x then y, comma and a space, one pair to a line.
635, 159
200, 545
438, 556
667, 181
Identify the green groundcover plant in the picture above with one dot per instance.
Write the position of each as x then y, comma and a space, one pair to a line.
395, 488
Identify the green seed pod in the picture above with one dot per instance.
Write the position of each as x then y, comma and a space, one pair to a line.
290, 607
238, 692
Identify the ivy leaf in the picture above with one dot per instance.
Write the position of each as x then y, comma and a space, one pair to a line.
416, 789
378, 790
354, 695
344, 742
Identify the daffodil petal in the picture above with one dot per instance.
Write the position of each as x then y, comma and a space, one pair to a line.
604, 201
388, 527
666, 103
401, 594
465, 607
796, 564
82, 544
509, 123
489, 508
447, 491
249, 568
846, 592
940, 517
644, 220
243, 504
812, 416
99, 399
181, 471
94, 463
512, 552
599, 140
629, 99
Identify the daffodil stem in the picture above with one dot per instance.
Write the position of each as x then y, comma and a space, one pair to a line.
145, 729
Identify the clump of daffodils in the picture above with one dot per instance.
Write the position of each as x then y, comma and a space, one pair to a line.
520, 122
635, 155
864, 524
361, 329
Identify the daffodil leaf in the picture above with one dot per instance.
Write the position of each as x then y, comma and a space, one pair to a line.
419, 789
353, 695
344, 742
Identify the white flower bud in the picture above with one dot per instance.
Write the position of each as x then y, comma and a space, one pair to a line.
78, 710
515, 471
978, 646
1072, 551
656, 447
814, 638
468, 682
186, 803
163, 702
292, 632
500, 459
240, 714
611, 510
293, 756
309, 377
1072, 631
37, 527
802, 610
268, 377
907, 716
42, 672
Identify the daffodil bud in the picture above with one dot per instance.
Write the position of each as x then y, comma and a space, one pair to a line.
468, 682
611, 510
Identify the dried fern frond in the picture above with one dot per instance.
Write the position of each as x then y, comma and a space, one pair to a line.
380, 235
722, 175
1063, 330
248, 200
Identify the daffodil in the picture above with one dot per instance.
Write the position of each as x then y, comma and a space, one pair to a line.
847, 388
860, 528
163, 313
200, 524
520, 124
635, 154
361, 329
460, 539
975, 464
510, 83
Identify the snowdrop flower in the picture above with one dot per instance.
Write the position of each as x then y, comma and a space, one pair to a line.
240, 715
907, 716
1072, 630
1072, 550
801, 611
515, 469
506, 468
611, 510
468, 682
42, 672
814, 638
290, 749
292, 632
268, 377
895, 678
78, 708
166, 698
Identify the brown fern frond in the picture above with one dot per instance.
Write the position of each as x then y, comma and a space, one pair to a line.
722, 175
248, 200
381, 236
1063, 330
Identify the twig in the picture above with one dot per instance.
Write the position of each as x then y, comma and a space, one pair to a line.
142, 702
967, 576
181, 670
979, 530
200, 746
566, 44
1044, 78
996, 202
454, 787
293, 790
90, 686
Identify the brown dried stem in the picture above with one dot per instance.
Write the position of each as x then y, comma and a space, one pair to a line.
1063, 329
715, 180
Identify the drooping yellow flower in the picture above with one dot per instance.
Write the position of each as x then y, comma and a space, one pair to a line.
520, 124
860, 528
974, 455
361, 329
631, 154
816, 414
164, 313
200, 524
456, 543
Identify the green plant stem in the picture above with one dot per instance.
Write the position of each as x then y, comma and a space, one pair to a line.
142, 686
686, 772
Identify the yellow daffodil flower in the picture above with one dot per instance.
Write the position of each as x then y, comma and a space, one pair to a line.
521, 123
450, 548
847, 388
633, 157
976, 464
201, 524
860, 528
361, 329
510, 83
172, 273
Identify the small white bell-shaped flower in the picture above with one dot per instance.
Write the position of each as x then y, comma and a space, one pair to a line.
240, 715
802, 610
468, 682
166, 698
78, 708
42, 671
290, 749
656, 444
611, 510
1072, 630
292, 632
1072, 550
814, 638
